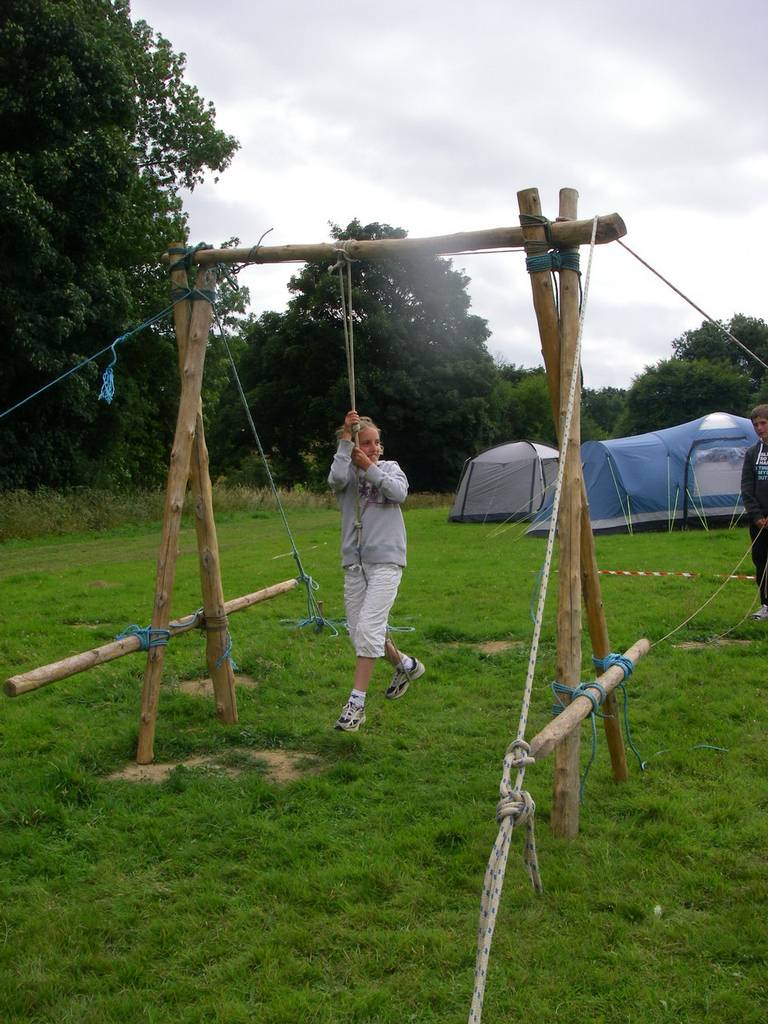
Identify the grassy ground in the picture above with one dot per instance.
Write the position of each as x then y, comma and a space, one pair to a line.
352, 894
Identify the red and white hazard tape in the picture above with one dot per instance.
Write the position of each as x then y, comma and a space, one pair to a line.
642, 572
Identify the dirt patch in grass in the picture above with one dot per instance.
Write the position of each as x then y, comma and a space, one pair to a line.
700, 645
204, 687
100, 584
491, 646
279, 766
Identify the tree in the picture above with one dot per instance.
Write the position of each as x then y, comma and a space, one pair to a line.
676, 390
98, 134
710, 343
520, 406
601, 411
422, 370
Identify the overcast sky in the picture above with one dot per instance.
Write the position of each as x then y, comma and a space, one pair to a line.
431, 114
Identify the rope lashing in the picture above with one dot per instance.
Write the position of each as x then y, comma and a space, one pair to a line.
147, 636
193, 295
560, 690
603, 664
558, 259
582, 690
219, 623
186, 253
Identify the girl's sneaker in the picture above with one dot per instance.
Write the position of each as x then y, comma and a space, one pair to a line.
761, 613
402, 678
351, 718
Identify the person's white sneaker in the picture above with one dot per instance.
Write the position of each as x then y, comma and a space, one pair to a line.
351, 718
761, 614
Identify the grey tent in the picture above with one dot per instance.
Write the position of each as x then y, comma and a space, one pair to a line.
505, 483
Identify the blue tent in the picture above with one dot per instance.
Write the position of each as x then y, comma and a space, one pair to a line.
683, 476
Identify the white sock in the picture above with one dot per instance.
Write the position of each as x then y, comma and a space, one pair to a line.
357, 697
407, 663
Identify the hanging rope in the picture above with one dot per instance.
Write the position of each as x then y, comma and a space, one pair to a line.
727, 333
516, 806
314, 616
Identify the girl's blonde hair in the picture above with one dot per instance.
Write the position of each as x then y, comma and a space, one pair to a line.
366, 423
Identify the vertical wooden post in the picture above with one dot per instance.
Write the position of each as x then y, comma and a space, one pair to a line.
178, 475
565, 801
546, 315
217, 635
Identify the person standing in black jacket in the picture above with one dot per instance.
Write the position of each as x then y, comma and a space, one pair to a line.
754, 494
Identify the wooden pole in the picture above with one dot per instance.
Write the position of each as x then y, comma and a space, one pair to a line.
546, 315
39, 677
610, 227
566, 722
565, 804
590, 579
217, 633
178, 476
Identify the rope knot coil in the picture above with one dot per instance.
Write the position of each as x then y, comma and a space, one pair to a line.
518, 754
519, 806
147, 636
610, 660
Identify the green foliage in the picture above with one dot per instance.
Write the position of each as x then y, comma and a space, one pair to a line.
601, 411
422, 370
677, 390
520, 406
98, 133
708, 342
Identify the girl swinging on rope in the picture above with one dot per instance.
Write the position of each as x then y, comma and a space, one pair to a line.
373, 544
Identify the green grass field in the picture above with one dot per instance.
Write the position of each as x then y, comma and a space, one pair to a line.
351, 893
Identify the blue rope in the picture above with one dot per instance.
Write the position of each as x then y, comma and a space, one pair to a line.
582, 690
313, 617
559, 259
148, 637
107, 392
614, 659
227, 655
603, 664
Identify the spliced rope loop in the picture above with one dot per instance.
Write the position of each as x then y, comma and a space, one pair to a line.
147, 636
517, 756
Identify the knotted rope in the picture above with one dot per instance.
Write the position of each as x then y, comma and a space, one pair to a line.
516, 805
147, 636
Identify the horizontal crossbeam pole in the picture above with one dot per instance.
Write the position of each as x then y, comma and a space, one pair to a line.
569, 718
39, 677
563, 234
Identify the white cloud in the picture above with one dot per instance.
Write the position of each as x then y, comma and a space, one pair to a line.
432, 115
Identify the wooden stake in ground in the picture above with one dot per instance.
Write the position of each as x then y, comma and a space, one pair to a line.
178, 476
218, 641
549, 330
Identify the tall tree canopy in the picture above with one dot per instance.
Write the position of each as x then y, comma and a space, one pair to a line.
710, 343
98, 133
677, 390
423, 372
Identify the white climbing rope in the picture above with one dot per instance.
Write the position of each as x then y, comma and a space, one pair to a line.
515, 805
